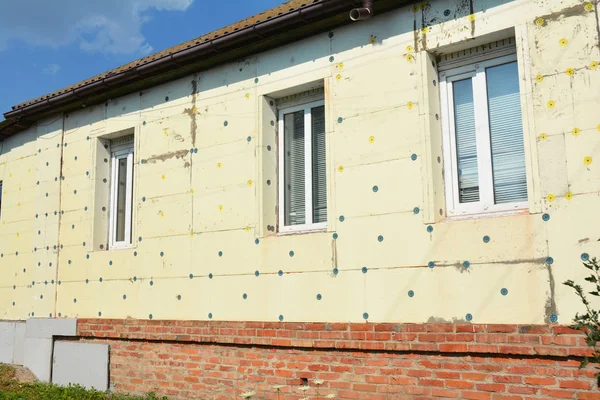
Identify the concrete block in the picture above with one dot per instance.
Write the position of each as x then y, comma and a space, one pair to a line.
47, 327
19, 346
38, 357
7, 342
85, 364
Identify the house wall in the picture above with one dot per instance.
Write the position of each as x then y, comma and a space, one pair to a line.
205, 149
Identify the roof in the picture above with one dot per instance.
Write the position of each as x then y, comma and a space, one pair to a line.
280, 25
288, 6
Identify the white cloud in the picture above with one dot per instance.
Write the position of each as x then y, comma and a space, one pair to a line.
106, 26
51, 69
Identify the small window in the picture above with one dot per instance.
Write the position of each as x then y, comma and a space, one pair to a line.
484, 154
1, 198
302, 166
121, 192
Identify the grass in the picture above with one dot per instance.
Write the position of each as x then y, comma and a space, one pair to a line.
12, 389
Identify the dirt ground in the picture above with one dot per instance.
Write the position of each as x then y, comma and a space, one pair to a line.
21, 374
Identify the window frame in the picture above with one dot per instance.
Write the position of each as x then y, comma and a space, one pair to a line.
308, 165
486, 203
119, 152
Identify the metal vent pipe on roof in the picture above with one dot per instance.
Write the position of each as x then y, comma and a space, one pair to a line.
366, 12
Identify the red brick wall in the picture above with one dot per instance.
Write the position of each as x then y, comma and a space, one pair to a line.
221, 360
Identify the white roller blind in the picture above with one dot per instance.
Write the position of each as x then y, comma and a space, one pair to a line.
319, 172
294, 181
506, 133
466, 142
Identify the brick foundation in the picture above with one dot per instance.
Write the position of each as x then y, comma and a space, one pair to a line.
221, 360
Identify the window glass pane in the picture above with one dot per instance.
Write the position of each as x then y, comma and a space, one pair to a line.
121, 199
466, 143
294, 190
506, 133
319, 175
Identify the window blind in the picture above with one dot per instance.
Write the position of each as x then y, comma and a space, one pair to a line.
466, 142
506, 133
121, 186
294, 190
319, 172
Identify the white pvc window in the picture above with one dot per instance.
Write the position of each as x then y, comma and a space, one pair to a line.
484, 153
302, 168
121, 195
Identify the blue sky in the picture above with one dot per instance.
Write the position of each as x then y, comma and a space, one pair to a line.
47, 45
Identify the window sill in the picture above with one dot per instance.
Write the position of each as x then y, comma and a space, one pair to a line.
486, 214
302, 232
113, 249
